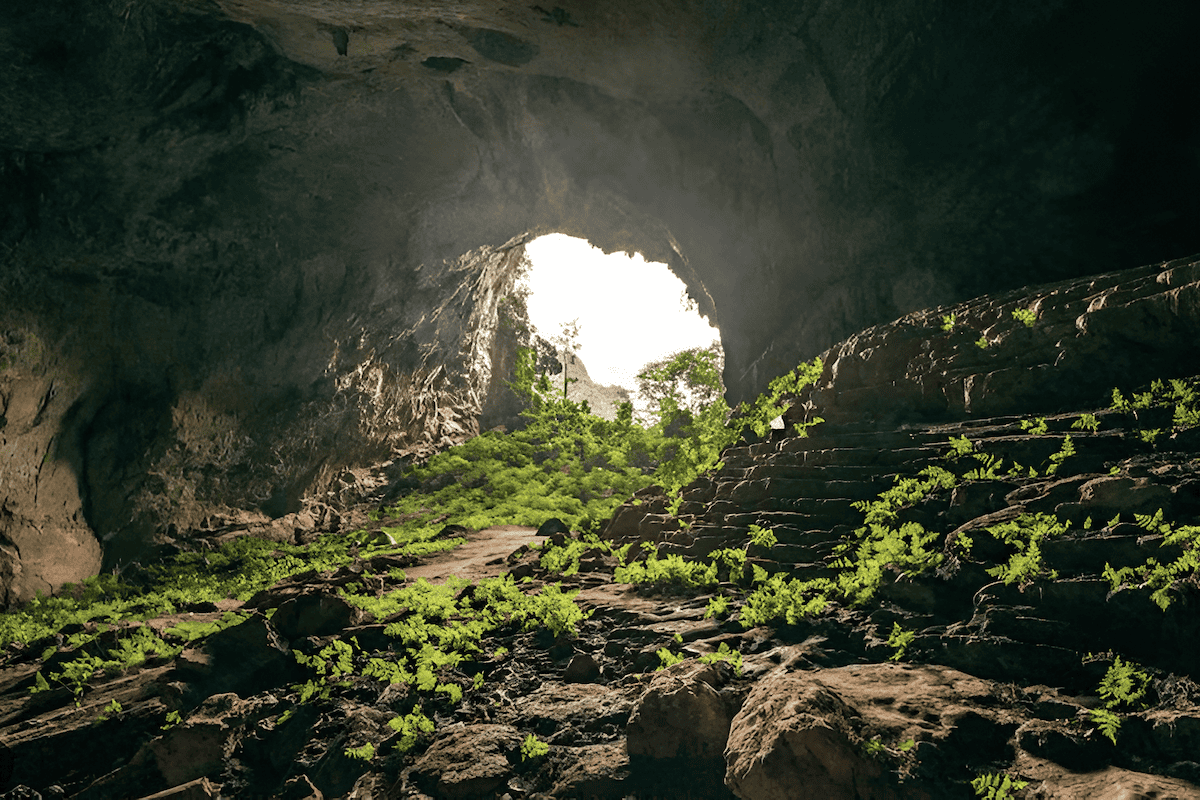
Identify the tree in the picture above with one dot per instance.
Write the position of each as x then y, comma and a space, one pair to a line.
567, 343
687, 381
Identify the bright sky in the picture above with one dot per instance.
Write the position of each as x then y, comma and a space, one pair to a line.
630, 311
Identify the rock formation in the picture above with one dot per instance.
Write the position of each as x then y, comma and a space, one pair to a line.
997, 678
248, 244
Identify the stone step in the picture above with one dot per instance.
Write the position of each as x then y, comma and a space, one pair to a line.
780, 467
911, 458
1087, 553
754, 489
822, 510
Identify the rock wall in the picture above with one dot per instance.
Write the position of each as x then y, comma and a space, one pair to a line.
262, 241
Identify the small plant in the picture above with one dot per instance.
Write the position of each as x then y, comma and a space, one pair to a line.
364, 753
996, 786
411, 728
1086, 422
1107, 722
112, 709
948, 321
533, 747
762, 537
668, 658
1148, 436
1026, 316
1034, 427
718, 606
899, 639
1124, 684
960, 447
1025, 534
723, 653
1064, 452
982, 342
173, 718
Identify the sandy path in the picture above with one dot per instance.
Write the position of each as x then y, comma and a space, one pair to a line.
481, 557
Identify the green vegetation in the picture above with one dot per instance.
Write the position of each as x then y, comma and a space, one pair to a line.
982, 342
364, 753
1035, 427
111, 710
1086, 422
996, 786
1025, 534
533, 747
1162, 579
1181, 396
899, 639
948, 321
1123, 687
724, 653
413, 727
758, 415
1026, 316
173, 718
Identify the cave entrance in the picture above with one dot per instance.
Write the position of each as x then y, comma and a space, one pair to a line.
630, 313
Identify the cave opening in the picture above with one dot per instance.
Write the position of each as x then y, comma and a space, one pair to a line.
629, 313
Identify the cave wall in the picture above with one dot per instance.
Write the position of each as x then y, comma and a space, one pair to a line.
251, 260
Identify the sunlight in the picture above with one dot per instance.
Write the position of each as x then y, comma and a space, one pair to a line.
630, 311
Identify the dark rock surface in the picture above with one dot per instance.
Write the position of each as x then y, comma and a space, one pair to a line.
248, 245
998, 677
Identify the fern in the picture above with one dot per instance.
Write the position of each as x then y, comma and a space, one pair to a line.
996, 786
899, 639
1034, 427
1025, 534
1025, 316
1107, 722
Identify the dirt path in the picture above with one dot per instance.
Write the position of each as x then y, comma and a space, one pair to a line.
481, 557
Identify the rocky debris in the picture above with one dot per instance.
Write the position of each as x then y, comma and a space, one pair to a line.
996, 675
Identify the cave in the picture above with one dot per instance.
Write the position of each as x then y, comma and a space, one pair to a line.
248, 245
251, 246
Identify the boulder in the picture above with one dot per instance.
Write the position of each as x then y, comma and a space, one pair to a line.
468, 762
1114, 783
803, 735
188, 752
598, 771
680, 715
314, 614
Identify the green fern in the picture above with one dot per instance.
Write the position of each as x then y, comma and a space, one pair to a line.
1025, 316
899, 639
996, 786
1034, 427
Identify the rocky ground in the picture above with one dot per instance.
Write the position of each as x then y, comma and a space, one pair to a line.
1026, 663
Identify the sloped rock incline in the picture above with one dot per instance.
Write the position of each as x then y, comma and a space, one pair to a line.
1113, 489
1087, 335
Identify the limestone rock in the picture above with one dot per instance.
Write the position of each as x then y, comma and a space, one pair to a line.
316, 614
1113, 783
804, 732
597, 771
681, 714
468, 762
197, 748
